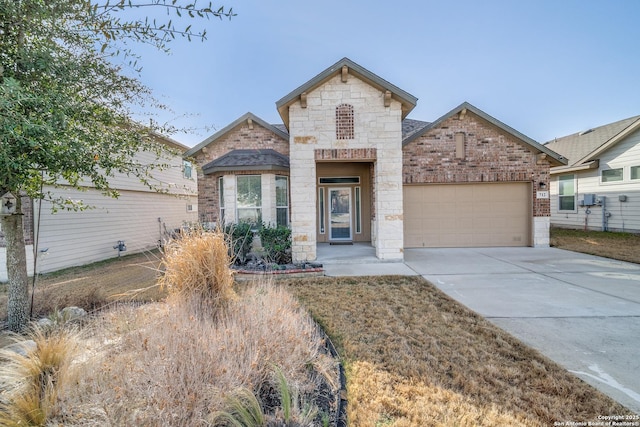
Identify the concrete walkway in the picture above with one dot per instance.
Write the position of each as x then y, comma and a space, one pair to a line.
581, 311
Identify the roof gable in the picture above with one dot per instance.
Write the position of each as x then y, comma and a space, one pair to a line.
464, 107
407, 100
586, 146
231, 126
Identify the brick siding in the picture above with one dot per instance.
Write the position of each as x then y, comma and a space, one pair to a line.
491, 155
239, 138
345, 154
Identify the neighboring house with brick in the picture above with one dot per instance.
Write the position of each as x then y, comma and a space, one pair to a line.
599, 189
347, 165
140, 217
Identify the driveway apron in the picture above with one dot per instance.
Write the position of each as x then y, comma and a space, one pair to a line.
579, 310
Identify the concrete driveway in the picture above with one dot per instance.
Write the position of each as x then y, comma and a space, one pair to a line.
581, 311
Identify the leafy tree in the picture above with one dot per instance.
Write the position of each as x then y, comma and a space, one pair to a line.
66, 103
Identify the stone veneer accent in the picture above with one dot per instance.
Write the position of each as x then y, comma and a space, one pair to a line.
377, 130
541, 225
491, 155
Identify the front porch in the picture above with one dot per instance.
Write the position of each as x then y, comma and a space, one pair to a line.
358, 259
357, 253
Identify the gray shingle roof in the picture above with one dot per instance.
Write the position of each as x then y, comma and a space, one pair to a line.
248, 160
282, 128
579, 145
410, 127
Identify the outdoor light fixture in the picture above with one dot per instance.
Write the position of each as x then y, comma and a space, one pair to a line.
542, 185
120, 246
8, 204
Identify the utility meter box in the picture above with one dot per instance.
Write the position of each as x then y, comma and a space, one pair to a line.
590, 200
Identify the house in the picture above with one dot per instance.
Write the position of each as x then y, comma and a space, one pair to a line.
599, 188
140, 217
347, 165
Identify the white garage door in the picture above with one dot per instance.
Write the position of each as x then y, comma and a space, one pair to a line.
467, 215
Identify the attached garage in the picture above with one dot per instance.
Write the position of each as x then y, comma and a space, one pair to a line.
467, 215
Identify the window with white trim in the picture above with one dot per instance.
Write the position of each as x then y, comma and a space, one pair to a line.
635, 172
221, 198
282, 200
187, 169
612, 175
566, 193
249, 198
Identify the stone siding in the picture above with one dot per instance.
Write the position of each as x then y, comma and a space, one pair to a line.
377, 135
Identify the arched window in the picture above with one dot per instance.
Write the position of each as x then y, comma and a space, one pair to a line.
344, 121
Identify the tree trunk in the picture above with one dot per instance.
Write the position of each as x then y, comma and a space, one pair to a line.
18, 298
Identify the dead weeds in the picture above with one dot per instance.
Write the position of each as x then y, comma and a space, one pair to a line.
129, 278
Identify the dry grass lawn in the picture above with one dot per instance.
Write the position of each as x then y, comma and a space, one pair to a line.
620, 246
129, 278
417, 358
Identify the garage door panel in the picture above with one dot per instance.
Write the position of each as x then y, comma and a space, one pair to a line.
465, 223
467, 215
481, 224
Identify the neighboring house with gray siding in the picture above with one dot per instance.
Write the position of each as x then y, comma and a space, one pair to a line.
139, 217
359, 170
599, 189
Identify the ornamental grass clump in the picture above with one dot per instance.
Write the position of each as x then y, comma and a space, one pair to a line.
162, 365
31, 377
196, 266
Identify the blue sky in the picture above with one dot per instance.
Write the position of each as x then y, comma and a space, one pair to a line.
545, 68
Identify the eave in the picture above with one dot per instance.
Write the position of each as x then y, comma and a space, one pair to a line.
346, 67
594, 155
213, 170
594, 164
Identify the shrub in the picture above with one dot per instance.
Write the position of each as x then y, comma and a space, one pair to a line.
240, 238
276, 242
197, 265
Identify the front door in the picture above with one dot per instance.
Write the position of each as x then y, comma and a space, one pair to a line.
340, 214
